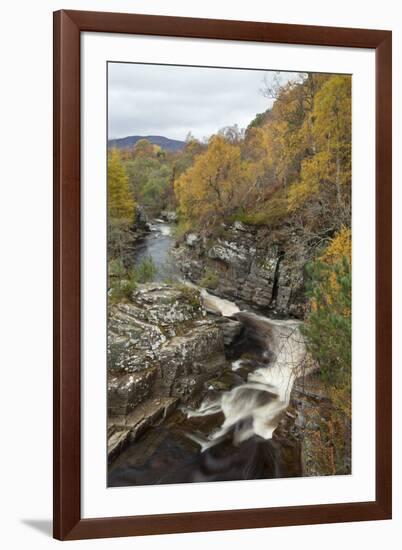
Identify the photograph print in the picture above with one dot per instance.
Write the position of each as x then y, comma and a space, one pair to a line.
229, 274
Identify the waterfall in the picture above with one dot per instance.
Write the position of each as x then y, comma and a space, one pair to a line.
255, 407
214, 304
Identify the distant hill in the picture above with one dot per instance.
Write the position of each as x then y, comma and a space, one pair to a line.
163, 142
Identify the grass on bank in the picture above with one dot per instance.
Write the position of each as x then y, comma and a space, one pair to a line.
123, 281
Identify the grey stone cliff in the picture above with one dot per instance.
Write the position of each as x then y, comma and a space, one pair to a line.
249, 264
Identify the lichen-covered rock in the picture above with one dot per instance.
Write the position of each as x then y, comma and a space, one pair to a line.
137, 329
166, 305
249, 264
126, 391
233, 252
186, 361
131, 341
161, 346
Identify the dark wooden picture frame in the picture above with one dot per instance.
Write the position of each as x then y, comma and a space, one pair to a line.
68, 26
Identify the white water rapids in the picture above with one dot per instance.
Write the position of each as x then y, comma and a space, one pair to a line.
255, 407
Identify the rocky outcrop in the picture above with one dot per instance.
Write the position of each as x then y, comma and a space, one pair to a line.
126, 391
188, 361
253, 265
141, 222
169, 215
127, 429
122, 242
314, 425
162, 350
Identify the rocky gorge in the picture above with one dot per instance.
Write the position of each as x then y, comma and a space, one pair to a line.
201, 385
161, 350
250, 264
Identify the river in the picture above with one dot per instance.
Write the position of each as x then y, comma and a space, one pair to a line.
230, 436
157, 245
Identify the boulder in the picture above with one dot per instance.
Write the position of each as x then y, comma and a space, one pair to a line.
192, 239
166, 306
169, 216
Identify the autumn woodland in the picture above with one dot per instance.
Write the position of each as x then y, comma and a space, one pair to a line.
229, 294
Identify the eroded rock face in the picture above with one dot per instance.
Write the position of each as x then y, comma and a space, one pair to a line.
249, 264
231, 329
188, 361
141, 220
313, 424
161, 346
128, 390
131, 341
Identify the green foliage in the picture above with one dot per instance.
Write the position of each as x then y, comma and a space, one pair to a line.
123, 281
145, 271
155, 191
116, 269
151, 172
328, 327
258, 120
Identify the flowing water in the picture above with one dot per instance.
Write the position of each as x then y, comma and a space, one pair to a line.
255, 408
157, 245
230, 435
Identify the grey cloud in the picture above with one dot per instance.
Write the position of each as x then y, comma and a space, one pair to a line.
171, 101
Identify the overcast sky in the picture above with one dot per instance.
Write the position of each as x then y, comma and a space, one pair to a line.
172, 101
